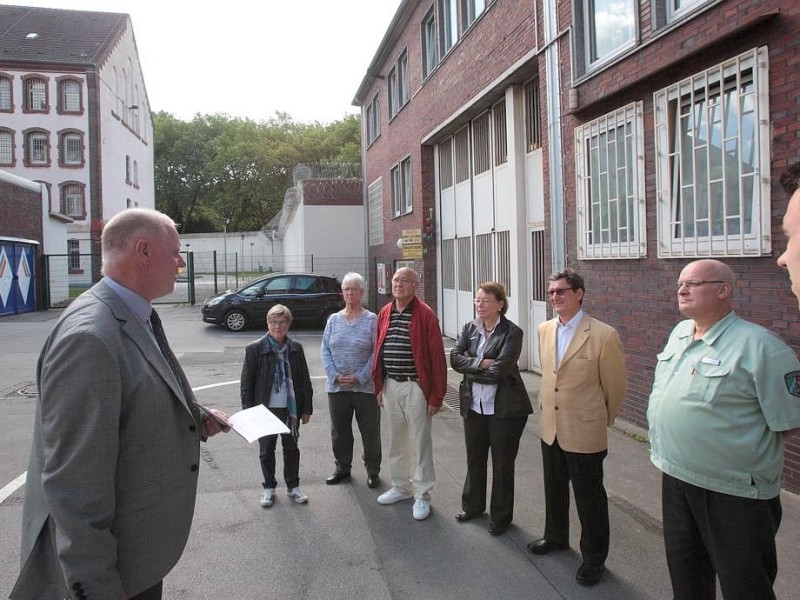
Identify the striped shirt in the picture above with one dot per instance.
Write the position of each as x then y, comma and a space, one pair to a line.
396, 354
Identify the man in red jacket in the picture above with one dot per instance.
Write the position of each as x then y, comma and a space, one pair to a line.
410, 375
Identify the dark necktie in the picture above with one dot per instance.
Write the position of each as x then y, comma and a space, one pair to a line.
172, 361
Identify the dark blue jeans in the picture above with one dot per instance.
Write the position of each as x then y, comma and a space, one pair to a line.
291, 456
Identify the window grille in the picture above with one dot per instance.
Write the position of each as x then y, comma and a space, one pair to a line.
538, 273
462, 155
6, 148
446, 163
73, 200
484, 258
5, 93
533, 127
72, 149
375, 195
480, 144
504, 260
37, 94
448, 264
500, 133
37, 148
609, 166
74, 253
713, 161
70, 96
464, 264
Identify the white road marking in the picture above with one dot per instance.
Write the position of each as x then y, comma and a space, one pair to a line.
13, 487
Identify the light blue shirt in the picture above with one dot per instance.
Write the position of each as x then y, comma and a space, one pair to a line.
348, 349
564, 335
719, 405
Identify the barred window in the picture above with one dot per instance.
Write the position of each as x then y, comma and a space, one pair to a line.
71, 148
462, 155
5, 94
37, 148
69, 96
35, 94
375, 196
504, 260
538, 274
500, 133
448, 264
609, 167
480, 144
484, 258
72, 200
713, 161
464, 264
74, 253
446, 163
533, 127
6, 148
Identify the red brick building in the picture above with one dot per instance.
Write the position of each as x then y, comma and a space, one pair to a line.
621, 139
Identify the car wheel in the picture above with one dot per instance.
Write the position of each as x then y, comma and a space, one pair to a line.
236, 320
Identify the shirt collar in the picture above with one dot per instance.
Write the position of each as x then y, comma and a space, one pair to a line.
137, 305
573, 322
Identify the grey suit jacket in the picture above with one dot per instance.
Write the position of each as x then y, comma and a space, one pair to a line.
113, 470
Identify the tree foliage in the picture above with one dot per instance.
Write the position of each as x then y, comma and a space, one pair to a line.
215, 167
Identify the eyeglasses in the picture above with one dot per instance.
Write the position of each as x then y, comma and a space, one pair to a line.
559, 291
484, 301
352, 290
691, 283
280, 323
403, 281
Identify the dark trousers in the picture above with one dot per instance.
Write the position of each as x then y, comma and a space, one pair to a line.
483, 433
342, 406
153, 593
708, 534
585, 471
291, 455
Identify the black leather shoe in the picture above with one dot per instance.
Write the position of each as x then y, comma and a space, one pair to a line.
373, 480
337, 477
463, 517
496, 530
589, 575
542, 546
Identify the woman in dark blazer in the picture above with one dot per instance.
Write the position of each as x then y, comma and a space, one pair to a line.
275, 374
494, 404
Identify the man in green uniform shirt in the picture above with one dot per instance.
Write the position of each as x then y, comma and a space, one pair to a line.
725, 392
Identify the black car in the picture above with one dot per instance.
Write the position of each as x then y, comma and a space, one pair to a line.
311, 298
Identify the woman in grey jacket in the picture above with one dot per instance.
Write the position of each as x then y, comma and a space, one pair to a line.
275, 374
494, 404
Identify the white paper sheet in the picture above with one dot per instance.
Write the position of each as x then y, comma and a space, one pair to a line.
256, 422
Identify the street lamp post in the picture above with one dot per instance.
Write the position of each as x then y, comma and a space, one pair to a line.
225, 249
251, 257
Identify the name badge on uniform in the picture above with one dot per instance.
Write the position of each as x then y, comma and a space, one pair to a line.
710, 361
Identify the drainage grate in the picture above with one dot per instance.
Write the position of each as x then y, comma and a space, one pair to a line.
452, 400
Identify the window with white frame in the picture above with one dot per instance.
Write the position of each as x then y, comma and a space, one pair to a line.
448, 24
373, 119
391, 92
402, 80
713, 161
609, 168
6, 97
533, 123
471, 10
609, 27
375, 200
480, 144
401, 188
136, 173
37, 148
430, 54
6, 147
69, 96
35, 94
128, 169
500, 133
675, 9
70, 147
73, 200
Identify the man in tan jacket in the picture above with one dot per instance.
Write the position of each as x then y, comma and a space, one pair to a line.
583, 385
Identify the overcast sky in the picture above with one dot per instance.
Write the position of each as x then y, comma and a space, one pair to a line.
251, 58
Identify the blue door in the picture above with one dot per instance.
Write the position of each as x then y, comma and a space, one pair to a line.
17, 277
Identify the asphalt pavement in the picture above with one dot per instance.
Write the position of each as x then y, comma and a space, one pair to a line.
343, 544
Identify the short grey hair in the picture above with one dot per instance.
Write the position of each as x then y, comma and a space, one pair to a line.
351, 278
279, 310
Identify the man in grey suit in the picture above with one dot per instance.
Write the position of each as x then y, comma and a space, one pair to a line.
113, 471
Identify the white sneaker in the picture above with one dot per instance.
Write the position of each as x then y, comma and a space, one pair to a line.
421, 510
298, 496
394, 494
267, 497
